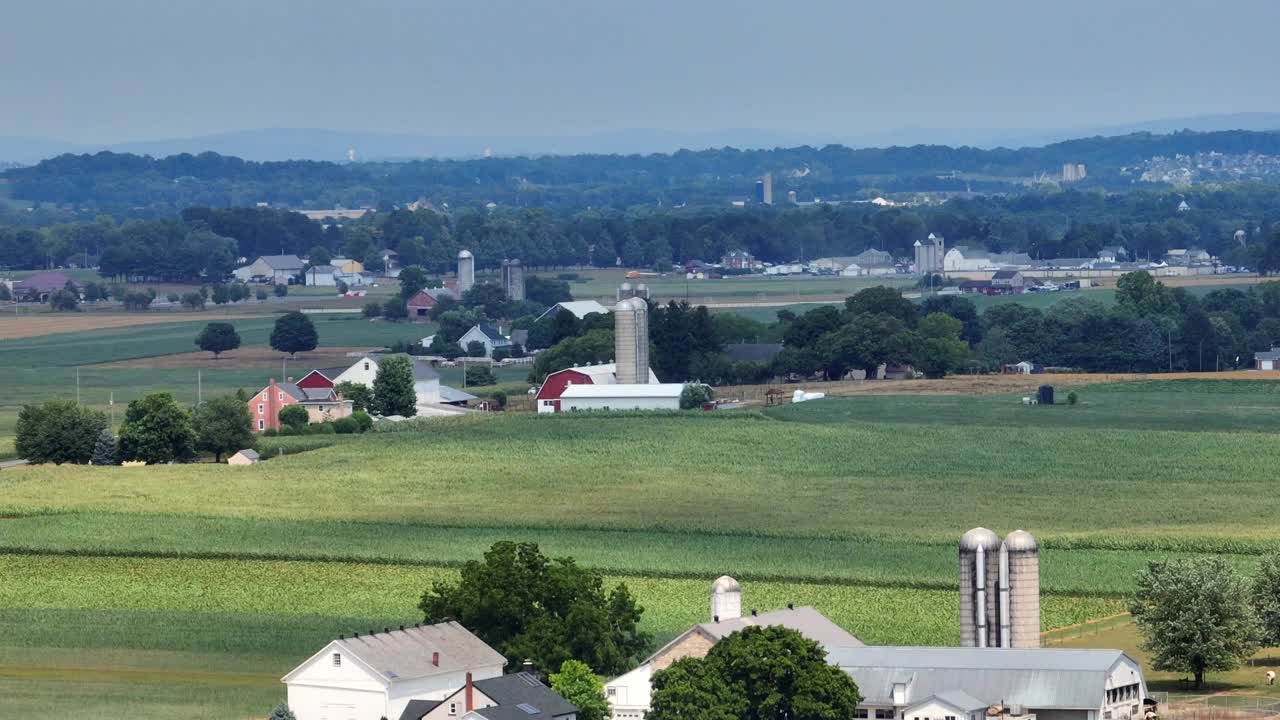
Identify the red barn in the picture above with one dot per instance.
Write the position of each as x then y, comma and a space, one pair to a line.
422, 301
321, 379
548, 398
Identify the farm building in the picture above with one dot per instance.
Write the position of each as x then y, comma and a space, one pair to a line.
271, 268
519, 695
322, 404
39, 286
322, 276
432, 397
961, 682
424, 300
548, 396
579, 308
1267, 359
1007, 280
486, 335
660, 396
738, 260
629, 694
244, 457
379, 674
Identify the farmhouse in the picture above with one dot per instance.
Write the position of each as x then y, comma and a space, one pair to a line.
486, 335
548, 397
432, 397
1267, 359
660, 396
738, 260
579, 308
322, 404
1048, 683
629, 694
379, 674
271, 269
520, 695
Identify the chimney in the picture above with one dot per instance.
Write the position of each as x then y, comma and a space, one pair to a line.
289, 379
470, 690
528, 666
435, 659
715, 618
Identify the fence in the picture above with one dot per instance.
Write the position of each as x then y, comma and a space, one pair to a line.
1217, 707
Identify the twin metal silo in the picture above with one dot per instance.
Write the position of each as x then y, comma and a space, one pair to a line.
999, 589
466, 270
513, 279
631, 341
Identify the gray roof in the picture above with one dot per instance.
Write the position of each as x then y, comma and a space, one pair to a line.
283, 262
805, 620
249, 453
1273, 354
961, 700
417, 708
490, 332
969, 252
1042, 678
515, 712
323, 269
454, 395
422, 369
1005, 275
509, 691
401, 655
1014, 258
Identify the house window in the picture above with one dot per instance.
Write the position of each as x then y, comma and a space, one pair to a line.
261, 424
883, 714
951, 717
366, 366
260, 407
859, 713
612, 692
281, 396
337, 659
453, 708
264, 395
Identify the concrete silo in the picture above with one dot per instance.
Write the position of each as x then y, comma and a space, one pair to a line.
1021, 555
726, 599
466, 270
631, 341
513, 279
979, 581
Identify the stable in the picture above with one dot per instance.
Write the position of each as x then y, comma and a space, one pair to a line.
659, 396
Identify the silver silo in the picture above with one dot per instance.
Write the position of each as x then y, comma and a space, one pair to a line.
726, 599
979, 579
466, 270
1024, 589
624, 341
513, 279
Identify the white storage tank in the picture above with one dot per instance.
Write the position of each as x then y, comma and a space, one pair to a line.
1024, 589
979, 583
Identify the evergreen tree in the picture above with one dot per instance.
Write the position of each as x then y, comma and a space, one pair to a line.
282, 712
393, 392
104, 450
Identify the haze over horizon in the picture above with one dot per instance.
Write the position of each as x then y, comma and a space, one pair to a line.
817, 71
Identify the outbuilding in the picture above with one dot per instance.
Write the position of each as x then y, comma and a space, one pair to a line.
244, 457
661, 396
547, 399
1267, 359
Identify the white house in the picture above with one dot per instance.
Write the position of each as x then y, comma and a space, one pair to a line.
660, 396
486, 335
271, 268
322, 275
432, 398
905, 683
579, 308
629, 695
371, 676
1267, 359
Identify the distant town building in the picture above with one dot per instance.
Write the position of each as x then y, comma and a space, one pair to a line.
738, 260
1073, 172
277, 269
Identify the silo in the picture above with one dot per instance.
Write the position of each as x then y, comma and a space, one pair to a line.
466, 270
726, 599
1024, 589
642, 339
979, 577
517, 280
624, 291
624, 341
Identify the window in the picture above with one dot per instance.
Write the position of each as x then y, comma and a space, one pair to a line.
612, 692
281, 396
260, 408
453, 708
859, 713
882, 714
264, 395
951, 717
366, 366
261, 424
337, 659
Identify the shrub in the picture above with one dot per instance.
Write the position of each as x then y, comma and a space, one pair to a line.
281, 290
499, 399
1072, 398
363, 420
261, 294
270, 432
694, 396
346, 426
64, 301
59, 431
394, 309
293, 417
478, 375
174, 298
372, 310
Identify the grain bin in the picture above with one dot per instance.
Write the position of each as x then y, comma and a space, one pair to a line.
1023, 553
1046, 395
979, 578
466, 270
626, 341
513, 279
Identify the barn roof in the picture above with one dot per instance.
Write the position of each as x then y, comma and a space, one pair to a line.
401, 655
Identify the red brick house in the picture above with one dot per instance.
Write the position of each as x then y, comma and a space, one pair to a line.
321, 403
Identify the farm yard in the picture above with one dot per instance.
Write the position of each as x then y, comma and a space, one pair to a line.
218, 580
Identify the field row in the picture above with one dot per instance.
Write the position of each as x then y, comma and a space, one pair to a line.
644, 553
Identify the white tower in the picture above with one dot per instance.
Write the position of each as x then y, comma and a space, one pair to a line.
631, 341
726, 599
466, 270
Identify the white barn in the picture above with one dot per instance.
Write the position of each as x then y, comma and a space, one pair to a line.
659, 396
579, 308
376, 676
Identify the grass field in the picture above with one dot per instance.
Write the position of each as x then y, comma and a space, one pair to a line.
189, 590
603, 284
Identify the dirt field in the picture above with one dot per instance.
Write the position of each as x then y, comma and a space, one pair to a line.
972, 384
245, 357
37, 324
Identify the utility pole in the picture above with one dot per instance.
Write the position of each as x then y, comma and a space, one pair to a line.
199, 388
77, 385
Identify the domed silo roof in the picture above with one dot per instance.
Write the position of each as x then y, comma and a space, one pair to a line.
1020, 541
464, 254
980, 537
725, 584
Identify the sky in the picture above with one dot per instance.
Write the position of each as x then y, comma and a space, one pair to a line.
90, 71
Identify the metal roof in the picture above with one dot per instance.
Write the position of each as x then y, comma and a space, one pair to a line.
579, 308
422, 369
282, 262
659, 390
453, 395
401, 655
1043, 678
959, 700
805, 620
525, 688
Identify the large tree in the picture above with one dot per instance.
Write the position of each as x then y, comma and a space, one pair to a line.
579, 685
1266, 599
867, 341
223, 426
217, 338
393, 392
941, 349
881, 300
157, 430
757, 673
412, 279
528, 606
294, 333
1194, 615
58, 431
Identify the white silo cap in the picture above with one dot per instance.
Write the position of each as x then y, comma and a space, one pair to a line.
464, 254
980, 537
1020, 541
725, 584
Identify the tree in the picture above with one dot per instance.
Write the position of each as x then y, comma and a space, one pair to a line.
488, 297
475, 349
881, 300
319, 255
64, 301
1266, 599
223, 426
1143, 295
393, 392
280, 289
941, 349
867, 341
217, 338
361, 396
545, 291
58, 431
412, 279
478, 375
136, 300
6, 294
1194, 616
294, 417
372, 309
1266, 256
576, 683
526, 605
156, 430
756, 673
282, 712
294, 333
694, 396
395, 309
260, 294
104, 450
221, 294
193, 300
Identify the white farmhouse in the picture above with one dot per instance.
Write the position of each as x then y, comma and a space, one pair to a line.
322, 276
486, 335
377, 675
432, 397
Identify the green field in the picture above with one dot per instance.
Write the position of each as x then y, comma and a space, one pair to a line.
603, 285
137, 581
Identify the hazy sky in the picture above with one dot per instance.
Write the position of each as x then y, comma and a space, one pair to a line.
104, 71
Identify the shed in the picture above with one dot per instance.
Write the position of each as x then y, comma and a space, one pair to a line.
244, 457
